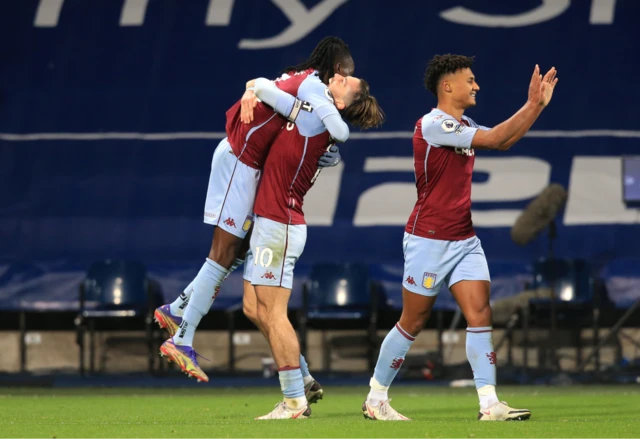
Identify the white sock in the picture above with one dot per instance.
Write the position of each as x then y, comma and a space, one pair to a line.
307, 379
205, 288
177, 306
487, 396
236, 264
378, 392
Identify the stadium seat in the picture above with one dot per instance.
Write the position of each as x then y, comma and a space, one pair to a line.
580, 299
113, 290
571, 278
341, 296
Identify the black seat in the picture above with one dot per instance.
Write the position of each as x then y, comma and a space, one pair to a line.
114, 290
340, 296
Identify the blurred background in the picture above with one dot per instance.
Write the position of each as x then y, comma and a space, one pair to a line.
109, 115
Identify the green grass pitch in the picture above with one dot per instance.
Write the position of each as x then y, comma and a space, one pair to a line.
210, 412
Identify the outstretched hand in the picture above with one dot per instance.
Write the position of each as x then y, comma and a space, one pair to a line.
548, 85
541, 88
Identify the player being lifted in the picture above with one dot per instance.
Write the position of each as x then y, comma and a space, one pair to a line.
280, 232
440, 245
236, 169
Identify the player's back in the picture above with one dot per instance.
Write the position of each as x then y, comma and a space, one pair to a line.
292, 164
443, 178
251, 142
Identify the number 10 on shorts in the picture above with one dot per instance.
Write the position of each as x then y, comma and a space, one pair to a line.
261, 255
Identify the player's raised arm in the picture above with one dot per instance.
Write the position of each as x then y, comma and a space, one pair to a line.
320, 98
504, 135
330, 117
281, 101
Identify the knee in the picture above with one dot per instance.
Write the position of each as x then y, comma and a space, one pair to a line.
414, 323
249, 310
225, 250
480, 316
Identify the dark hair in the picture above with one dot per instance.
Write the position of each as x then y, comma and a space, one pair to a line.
441, 65
328, 52
364, 111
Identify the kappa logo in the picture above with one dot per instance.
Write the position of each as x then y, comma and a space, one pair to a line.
429, 280
493, 358
230, 222
215, 292
410, 280
268, 275
396, 363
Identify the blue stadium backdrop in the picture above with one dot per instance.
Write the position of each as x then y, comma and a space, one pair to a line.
110, 112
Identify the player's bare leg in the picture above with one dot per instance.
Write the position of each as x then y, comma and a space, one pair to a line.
225, 247
416, 309
472, 297
272, 315
250, 306
312, 389
272, 305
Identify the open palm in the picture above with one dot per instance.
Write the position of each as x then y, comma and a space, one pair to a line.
547, 86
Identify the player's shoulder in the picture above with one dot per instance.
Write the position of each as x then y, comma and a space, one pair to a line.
312, 83
430, 120
313, 89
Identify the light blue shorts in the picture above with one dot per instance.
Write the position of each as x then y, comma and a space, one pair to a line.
231, 193
428, 263
274, 250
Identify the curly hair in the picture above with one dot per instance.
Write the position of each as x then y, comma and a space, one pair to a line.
328, 52
364, 112
441, 65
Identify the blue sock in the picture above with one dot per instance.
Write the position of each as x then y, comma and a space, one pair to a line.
392, 352
205, 289
304, 367
481, 356
292, 386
